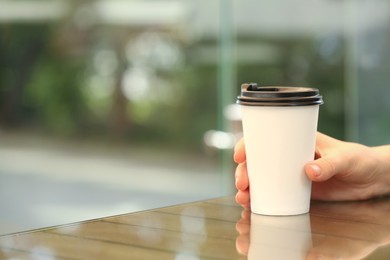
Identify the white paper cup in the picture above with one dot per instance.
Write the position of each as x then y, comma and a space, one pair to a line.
279, 127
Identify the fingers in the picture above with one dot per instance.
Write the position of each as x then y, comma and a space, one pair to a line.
325, 168
239, 152
325, 142
243, 198
241, 175
242, 185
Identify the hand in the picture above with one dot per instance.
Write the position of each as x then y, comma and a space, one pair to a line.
341, 171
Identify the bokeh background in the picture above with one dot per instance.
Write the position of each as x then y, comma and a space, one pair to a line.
115, 106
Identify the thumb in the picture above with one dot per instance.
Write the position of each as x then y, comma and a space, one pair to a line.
324, 168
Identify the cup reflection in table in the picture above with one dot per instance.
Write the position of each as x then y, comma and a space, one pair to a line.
346, 230
274, 237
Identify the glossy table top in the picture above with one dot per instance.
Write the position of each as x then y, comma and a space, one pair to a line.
215, 229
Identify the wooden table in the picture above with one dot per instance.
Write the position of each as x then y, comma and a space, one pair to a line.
215, 229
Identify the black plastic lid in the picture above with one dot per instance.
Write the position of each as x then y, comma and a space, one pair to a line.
253, 95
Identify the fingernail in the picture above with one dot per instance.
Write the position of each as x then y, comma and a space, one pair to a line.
316, 170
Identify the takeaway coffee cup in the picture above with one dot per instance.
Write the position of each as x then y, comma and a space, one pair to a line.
279, 128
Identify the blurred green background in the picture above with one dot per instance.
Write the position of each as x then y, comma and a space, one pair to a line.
150, 78
125, 70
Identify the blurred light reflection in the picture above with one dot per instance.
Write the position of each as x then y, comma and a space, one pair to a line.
41, 252
155, 50
182, 256
151, 236
193, 228
146, 13
136, 84
11, 11
219, 139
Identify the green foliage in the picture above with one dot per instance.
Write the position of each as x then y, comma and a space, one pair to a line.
55, 93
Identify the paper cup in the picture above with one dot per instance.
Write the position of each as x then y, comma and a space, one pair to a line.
279, 128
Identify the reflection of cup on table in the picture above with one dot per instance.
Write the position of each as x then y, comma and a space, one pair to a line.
279, 237
279, 127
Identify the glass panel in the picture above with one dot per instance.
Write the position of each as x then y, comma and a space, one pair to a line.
103, 108
296, 43
339, 47
109, 107
371, 24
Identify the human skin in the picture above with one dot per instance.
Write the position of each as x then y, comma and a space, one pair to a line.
341, 171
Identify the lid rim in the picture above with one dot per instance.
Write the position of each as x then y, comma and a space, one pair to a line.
297, 99
254, 95
279, 104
